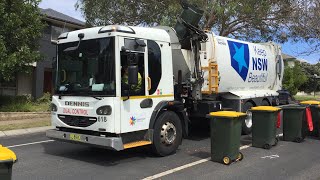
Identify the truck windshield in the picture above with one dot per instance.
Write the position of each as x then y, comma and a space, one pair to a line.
88, 69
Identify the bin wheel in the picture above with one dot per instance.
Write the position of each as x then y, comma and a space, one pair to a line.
226, 161
298, 140
266, 146
240, 156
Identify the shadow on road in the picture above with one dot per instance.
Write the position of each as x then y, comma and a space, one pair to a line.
96, 155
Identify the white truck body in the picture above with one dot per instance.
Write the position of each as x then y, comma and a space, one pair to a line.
257, 71
246, 70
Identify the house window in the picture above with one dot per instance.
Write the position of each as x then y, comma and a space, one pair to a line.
56, 31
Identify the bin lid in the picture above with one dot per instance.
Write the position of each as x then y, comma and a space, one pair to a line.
231, 114
7, 155
265, 108
310, 102
293, 107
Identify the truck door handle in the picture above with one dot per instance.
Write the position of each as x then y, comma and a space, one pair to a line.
149, 83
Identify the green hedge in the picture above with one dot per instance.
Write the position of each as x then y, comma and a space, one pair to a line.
24, 103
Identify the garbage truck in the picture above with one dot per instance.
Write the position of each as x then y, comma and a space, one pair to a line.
120, 87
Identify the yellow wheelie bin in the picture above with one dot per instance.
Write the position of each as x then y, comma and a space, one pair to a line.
264, 126
225, 136
7, 158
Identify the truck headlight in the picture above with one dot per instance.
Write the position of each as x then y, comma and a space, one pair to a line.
104, 110
53, 107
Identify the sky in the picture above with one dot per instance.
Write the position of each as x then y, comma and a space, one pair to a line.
67, 7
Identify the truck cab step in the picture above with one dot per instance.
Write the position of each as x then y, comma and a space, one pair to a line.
136, 144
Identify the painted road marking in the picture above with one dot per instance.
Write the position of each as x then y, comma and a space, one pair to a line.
189, 165
186, 166
271, 156
27, 144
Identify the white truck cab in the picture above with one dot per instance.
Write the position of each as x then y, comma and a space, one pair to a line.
91, 104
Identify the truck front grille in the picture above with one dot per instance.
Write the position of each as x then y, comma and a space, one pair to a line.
77, 121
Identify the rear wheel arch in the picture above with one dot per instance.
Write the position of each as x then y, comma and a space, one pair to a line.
265, 102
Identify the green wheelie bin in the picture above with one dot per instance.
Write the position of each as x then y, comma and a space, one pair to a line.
315, 109
225, 136
295, 127
264, 126
7, 158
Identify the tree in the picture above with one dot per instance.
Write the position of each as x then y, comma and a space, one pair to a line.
129, 12
305, 25
294, 78
21, 28
312, 83
243, 19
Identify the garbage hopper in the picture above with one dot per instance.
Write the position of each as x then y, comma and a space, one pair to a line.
297, 123
264, 126
314, 107
7, 158
225, 136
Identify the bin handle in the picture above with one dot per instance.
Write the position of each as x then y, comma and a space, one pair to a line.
309, 119
279, 120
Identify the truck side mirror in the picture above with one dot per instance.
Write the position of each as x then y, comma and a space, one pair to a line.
133, 58
140, 43
133, 75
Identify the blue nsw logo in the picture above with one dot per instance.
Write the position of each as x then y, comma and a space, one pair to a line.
239, 54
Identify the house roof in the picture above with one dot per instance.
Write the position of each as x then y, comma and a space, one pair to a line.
52, 14
287, 56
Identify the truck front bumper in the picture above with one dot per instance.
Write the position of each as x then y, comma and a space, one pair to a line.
114, 143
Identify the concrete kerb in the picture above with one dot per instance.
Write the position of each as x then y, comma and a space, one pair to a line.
18, 132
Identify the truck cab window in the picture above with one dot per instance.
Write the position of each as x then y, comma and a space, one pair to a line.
154, 65
87, 70
135, 90
131, 45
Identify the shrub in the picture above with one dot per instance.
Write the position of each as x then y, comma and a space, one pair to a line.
46, 98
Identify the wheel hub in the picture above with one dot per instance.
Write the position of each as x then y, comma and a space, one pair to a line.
168, 133
248, 120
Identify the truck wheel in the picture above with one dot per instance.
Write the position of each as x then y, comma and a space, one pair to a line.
247, 124
167, 134
276, 101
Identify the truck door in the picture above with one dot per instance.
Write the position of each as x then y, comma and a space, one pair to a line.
136, 109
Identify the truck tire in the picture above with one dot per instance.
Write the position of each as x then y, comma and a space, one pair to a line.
276, 101
167, 135
247, 123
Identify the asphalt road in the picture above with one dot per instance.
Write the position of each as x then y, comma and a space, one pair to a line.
64, 161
